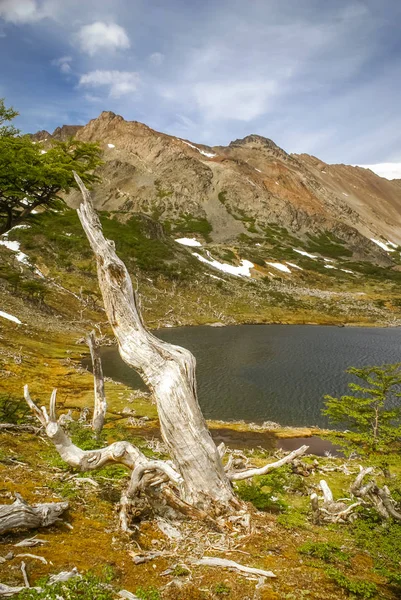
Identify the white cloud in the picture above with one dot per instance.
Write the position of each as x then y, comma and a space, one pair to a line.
239, 100
156, 59
119, 82
63, 63
20, 11
386, 170
102, 36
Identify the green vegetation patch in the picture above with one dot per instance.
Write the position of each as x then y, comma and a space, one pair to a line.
327, 244
188, 224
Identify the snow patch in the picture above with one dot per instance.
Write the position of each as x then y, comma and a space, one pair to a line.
305, 253
14, 247
110, 145
347, 271
279, 266
382, 245
294, 265
188, 242
392, 244
329, 267
251, 182
43, 152
328, 260
10, 317
258, 170
344, 194
208, 154
243, 270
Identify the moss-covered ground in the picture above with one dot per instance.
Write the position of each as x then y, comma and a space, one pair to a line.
359, 560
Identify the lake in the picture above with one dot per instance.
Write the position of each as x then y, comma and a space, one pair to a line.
271, 372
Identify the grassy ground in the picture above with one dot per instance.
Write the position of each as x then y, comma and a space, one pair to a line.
45, 352
330, 562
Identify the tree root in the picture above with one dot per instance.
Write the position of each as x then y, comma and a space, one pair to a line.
367, 495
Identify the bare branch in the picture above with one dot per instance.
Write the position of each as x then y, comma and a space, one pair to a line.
210, 561
22, 515
100, 408
269, 467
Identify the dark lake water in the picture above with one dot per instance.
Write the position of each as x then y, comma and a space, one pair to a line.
271, 372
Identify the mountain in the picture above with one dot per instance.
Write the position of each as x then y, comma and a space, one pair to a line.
237, 233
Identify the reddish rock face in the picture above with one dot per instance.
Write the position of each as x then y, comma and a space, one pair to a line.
251, 179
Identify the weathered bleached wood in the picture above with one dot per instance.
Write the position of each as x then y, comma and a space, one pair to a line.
237, 476
7, 591
24, 575
128, 595
64, 576
22, 515
14, 427
327, 493
100, 404
168, 370
35, 556
380, 498
314, 500
210, 561
118, 452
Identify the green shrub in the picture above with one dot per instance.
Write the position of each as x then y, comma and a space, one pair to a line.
291, 519
148, 593
89, 587
13, 409
221, 589
264, 491
188, 224
326, 551
356, 587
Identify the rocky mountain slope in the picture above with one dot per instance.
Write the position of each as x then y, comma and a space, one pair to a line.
251, 180
242, 233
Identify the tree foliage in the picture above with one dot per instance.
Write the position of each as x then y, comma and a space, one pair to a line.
373, 412
32, 177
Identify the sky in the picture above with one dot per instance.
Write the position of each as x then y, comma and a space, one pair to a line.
314, 76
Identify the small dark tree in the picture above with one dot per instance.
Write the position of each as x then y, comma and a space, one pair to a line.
32, 177
373, 414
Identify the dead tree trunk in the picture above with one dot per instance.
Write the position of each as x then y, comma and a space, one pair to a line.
100, 405
194, 482
20, 514
168, 370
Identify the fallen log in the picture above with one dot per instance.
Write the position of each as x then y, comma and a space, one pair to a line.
20, 514
7, 591
210, 561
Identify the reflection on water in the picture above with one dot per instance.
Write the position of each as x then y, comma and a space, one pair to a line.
271, 372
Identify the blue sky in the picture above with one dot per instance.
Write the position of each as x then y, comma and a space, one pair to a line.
317, 77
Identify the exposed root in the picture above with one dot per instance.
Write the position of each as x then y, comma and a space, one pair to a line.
368, 495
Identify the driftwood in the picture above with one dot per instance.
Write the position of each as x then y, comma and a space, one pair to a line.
7, 591
20, 514
168, 370
379, 498
210, 561
22, 428
100, 405
367, 495
237, 476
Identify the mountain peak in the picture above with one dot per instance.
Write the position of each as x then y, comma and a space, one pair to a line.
253, 139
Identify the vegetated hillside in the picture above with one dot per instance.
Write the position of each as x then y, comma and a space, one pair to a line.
273, 238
